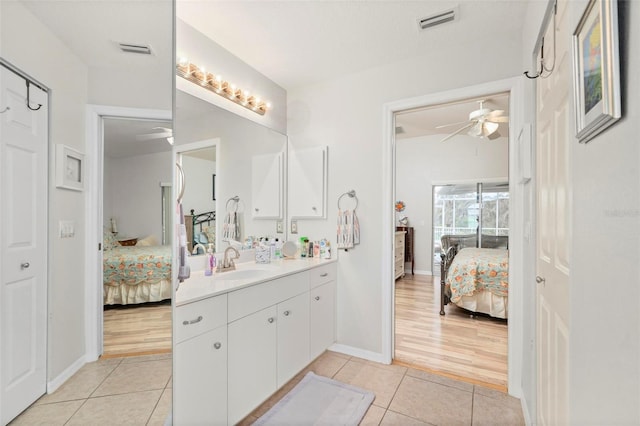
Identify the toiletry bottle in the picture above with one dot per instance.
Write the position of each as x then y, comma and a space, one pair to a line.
316, 249
304, 246
311, 251
211, 260
327, 250
278, 249
272, 249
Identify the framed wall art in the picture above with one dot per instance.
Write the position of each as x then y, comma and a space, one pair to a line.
596, 71
69, 168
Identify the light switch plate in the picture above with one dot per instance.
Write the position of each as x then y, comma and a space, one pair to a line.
294, 226
67, 228
279, 227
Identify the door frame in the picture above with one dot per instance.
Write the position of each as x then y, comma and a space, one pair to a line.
93, 214
517, 98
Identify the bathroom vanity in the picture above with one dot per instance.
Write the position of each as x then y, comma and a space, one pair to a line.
241, 335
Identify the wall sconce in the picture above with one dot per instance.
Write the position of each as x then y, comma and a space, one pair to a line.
216, 84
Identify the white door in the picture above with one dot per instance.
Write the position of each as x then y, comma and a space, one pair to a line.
23, 247
554, 138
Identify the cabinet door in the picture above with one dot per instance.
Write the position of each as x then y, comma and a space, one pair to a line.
266, 186
308, 182
322, 317
200, 381
293, 337
252, 362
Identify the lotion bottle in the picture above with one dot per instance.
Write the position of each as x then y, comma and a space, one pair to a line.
211, 261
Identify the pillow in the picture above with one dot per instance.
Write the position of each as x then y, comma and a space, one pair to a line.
210, 232
150, 240
200, 238
109, 240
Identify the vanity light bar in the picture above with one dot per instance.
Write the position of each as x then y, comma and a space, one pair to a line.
216, 84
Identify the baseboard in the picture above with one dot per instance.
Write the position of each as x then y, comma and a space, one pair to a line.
525, 412
56, 382
357, 352
417, 272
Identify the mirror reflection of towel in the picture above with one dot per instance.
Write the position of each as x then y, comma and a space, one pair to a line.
231, 227
348, 230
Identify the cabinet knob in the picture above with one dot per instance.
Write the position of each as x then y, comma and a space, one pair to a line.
286, 313
317, 297
314, 208
540, 280
193, 321
257, 210
217, 345
270, 320
24, 265
324, 275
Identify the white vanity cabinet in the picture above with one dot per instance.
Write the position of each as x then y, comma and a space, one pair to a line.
293, 337
322, 309
200, 381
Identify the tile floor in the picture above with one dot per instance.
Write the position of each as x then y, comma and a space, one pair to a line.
137, 391
115, 391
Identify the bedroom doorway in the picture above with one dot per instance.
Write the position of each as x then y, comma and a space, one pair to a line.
130, 217
436, 145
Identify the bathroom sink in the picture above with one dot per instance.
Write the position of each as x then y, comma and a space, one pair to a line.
245, 272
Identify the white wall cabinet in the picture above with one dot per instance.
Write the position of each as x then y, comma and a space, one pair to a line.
308, 183
267, 186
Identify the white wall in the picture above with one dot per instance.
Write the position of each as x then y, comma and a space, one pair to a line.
605, 285
424, 160
43, 56
346, 114
132, 193
198, 191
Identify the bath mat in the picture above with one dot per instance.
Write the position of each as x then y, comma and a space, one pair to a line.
318, 400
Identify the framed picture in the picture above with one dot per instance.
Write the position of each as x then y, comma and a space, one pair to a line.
596, 74
213, 186
69, 168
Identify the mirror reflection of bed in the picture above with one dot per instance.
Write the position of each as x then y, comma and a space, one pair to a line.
137, 237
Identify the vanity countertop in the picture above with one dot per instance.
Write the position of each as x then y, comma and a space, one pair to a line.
199, 286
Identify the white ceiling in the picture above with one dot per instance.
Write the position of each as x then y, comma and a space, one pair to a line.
121, 137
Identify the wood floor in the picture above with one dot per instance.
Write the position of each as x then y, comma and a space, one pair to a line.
472, 349
137, 329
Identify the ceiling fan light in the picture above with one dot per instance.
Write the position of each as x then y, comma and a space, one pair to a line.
489, 128
476, 130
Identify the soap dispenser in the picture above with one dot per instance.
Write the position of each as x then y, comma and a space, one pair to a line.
211, 261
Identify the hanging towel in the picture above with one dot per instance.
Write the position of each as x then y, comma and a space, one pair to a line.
348, 230
231, 227
183, 270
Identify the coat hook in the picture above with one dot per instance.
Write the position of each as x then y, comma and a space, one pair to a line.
5, 110
28, 101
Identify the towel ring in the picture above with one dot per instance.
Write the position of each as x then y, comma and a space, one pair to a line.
236, 199
351, 194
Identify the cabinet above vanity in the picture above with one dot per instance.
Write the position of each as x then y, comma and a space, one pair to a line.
308, 168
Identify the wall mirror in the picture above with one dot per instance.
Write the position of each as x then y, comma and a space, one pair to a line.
235, 171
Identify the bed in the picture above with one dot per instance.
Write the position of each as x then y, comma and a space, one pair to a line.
135, 274
476, 279
201, 228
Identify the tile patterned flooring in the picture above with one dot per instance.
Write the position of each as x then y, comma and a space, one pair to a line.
137, 391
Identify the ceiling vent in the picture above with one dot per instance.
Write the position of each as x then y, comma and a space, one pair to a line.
135, 48
438, 18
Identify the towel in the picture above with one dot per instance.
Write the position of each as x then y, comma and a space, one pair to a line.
348, 231
231, 227
183, 270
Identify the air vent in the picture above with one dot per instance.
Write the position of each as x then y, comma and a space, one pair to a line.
135, 48
438, 18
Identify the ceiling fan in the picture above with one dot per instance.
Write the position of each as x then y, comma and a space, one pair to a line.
482, 123
165, 133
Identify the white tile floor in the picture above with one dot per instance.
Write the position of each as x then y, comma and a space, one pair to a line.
137, 391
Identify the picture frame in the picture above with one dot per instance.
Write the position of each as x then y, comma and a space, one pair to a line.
596, 70
69, 168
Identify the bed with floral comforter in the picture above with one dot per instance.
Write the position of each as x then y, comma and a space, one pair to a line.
478, 280
134, 274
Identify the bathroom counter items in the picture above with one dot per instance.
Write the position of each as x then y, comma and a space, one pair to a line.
199, 286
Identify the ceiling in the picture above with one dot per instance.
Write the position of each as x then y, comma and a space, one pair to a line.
121, 137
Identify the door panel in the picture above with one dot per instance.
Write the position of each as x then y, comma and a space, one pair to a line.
23, 236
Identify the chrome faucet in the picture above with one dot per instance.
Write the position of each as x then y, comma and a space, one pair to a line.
228, 264
195, 248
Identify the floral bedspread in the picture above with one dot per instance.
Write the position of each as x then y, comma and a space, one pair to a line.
478, 269
133, 265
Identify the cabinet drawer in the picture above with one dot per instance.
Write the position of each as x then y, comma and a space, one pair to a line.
201, 316
252, 299
322, 274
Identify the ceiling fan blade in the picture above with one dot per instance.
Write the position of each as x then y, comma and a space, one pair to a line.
166, 129
151, 136
492, 136
460, 130
495, 113
451, 124
476, 130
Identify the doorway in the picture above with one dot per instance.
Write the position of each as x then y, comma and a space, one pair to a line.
102, 225
515, 327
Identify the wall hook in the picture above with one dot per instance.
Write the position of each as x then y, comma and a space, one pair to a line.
28, 101
543, 66
5, 110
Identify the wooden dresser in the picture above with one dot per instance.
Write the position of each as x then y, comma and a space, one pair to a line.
408, 245
399, 254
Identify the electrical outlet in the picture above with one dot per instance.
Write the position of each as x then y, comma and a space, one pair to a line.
279, 227
294, 226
